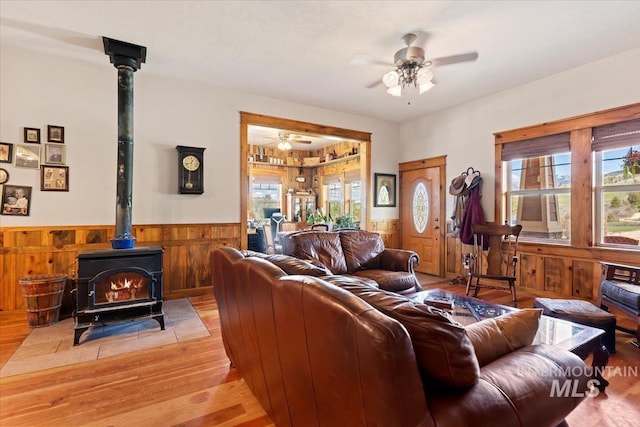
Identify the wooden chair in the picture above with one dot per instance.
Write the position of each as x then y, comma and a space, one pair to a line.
270, 245
323, 227
494, 258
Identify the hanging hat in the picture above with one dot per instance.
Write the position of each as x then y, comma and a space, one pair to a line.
457, 185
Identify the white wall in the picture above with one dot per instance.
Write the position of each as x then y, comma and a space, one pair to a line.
465, 133
40, 89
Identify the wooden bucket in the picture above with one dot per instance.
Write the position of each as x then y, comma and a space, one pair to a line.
42, 298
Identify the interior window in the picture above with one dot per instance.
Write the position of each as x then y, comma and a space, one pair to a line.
334, 199
353, 200
266, 197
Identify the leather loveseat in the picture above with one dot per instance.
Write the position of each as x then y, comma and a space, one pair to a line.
358, 253
330, 351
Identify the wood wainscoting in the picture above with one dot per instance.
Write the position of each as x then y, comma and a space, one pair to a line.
389, 230
550, 269
26, 251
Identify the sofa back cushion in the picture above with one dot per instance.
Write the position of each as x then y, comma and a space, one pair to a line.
323, 246
292, 265
443, 350
362, 250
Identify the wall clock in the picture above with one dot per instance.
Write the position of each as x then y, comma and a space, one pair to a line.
4, 176
190, 170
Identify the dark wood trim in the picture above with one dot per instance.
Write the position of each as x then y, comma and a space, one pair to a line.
247, 119
590, 120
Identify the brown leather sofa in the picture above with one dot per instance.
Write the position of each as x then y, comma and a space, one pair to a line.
317, 353
358, 253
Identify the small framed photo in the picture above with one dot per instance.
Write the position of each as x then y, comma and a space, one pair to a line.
55, 134
28, 156
55, 154
32, 135
6, 152
54, 178
385, 190
16, 200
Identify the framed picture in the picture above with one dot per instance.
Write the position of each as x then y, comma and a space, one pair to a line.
28, 156
55, 134
32, 135
6, 152
55, 154
54, 178
16, 200
385, 190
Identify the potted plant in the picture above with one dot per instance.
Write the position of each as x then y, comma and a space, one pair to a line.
344, 221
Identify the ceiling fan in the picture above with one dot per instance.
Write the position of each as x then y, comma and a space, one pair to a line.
411, 67
285, 139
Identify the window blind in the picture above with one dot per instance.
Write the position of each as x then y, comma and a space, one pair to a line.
537, 147
616, 135
352, 175
264, 179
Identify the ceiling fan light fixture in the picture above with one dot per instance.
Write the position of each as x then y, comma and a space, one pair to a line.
395, 91
426, 86
284, 145
424, 75
391, 79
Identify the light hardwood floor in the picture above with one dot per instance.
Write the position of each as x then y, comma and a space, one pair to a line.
191, 383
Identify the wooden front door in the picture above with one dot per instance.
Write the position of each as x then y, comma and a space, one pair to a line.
421, 216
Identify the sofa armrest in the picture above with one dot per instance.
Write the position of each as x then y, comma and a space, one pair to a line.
399, 260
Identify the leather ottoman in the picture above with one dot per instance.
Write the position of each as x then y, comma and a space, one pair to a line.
582, 312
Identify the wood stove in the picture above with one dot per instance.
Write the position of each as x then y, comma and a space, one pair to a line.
123, 283
118, 285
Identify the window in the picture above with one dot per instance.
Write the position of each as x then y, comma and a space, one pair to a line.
579, 186
538, 187
334, 199
617, 183
353, 202
266, 195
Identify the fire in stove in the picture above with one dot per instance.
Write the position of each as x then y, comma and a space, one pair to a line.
121, 286
124, 290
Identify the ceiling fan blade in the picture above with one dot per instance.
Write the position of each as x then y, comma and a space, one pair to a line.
374, 84
301, 141
369, 60
453, 59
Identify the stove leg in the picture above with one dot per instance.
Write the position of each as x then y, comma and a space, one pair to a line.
160, 319
77, 333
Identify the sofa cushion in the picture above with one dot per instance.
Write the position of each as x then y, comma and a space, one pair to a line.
362, 250
443, 350
320, 245
495, 337
347, 279
292, 265
394, 281
625, 293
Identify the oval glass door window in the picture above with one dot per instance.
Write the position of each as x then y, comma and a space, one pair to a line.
420, 206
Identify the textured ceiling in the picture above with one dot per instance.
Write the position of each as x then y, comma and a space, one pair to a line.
301, 51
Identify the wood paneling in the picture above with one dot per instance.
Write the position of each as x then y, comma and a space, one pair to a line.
557, 269
389, 230
53, 250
